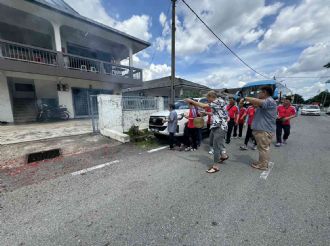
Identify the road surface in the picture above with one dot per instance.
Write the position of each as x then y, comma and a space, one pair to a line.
166, 198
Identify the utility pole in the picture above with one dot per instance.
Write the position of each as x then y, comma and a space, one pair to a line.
173, 53
326, 93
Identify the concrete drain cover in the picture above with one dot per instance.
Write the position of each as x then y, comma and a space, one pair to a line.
43, 155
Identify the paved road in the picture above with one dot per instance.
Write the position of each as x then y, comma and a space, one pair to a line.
166, 198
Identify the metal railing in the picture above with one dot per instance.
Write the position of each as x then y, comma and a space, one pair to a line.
81, 63
20, 52
140, 103
16, 51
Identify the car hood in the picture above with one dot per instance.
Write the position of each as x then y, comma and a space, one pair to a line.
311, 109
167, 112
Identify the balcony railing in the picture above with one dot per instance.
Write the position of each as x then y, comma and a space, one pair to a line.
16, 51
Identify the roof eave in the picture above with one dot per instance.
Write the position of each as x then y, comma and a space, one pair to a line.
91, 22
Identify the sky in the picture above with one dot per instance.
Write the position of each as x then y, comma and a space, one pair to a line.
277, 38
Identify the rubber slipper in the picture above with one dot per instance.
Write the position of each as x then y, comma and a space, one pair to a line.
213, 170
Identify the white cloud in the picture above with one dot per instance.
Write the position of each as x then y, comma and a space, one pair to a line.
155, 71
162, 19
311, 90
236, 22
312, 59
306, 23
137, 25
150, 71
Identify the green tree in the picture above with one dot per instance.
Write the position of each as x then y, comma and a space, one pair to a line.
298, 99
323, 97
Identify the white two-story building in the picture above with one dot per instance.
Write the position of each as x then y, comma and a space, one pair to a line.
51, 54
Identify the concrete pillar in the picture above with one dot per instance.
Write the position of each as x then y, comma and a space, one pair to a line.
6, 112
130, 52
57, 36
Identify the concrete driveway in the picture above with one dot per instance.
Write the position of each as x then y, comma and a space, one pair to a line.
10, 134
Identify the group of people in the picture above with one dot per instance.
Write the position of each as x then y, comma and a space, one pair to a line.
263, 119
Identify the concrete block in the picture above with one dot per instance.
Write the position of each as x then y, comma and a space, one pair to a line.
121, 137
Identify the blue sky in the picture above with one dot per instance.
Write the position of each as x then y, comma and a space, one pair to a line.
282, 38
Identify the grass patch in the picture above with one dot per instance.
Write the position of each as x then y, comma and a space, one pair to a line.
147, 143
142, 138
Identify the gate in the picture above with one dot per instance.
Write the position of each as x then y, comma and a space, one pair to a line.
94, 113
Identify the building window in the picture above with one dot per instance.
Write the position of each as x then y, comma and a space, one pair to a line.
24, 87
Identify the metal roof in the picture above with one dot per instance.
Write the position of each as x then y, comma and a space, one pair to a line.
64, 8
260, 82
60, 5
166, 82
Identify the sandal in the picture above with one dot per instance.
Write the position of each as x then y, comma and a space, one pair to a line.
260, 167
213, 170
223, 159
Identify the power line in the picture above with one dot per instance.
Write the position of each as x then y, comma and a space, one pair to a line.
247, 65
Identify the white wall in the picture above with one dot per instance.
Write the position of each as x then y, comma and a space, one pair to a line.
137, 118
110, 112
6, 113
113, 117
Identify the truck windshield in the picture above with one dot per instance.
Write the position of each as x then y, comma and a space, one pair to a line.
181, 105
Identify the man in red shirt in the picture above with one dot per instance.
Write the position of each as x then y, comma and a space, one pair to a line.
241, 119
250, 114
232, 110
285, 113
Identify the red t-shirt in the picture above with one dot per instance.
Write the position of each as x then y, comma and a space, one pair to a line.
241, 113
285, 112
250, 113
209, 110
232, 111
193, 113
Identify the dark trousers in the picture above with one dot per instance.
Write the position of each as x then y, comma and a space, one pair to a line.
231, 125
199, 136
240, 129
171, 138
191, 140
249, 136
279, 128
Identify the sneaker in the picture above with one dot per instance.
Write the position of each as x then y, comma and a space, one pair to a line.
187, 149
234, 136
211, 152
285, 142
254, 147
243, 147
193, 149
278, 145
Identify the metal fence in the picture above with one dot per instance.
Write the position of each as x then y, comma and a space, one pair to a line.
15, 51
140, 103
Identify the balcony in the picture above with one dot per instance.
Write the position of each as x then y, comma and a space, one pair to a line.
60, 61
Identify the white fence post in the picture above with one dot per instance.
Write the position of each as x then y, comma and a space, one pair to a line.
161, 105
